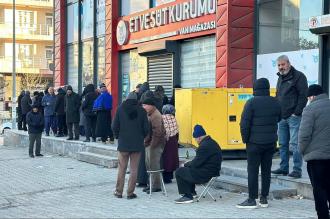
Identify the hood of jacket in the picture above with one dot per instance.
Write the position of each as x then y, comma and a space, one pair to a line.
261, 87
130, 107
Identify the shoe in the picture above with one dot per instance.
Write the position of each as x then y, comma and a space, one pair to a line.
263, 202
31, 155
69, 139
146, 189
248, 204
295, 174
280, 172
87, 140
117, 194
39, 155
153, 190
194, 194
133, 196
141, 185
184, 200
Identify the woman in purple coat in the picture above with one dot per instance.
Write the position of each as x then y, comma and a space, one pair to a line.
170, 153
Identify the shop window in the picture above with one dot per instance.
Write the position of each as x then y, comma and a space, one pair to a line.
198, 62
87, 63
87, 19
101, 60
72, 66
72, 23
133, 6
100, 18
283, 29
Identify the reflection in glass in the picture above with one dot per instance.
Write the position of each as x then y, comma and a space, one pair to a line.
87, 19
87, 63
72, 66
72, 23
101, 61
132, 6
100, 18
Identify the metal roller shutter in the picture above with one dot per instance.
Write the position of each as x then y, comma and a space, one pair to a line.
160, 72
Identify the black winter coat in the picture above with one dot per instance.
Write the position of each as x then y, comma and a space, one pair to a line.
259, 118
35, 122
207, 163
130, 126
26, 103
19, 105
291, 91
59, 103
72, 108
90, 97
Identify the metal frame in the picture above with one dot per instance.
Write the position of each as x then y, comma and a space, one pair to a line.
206, 189
160, 172
324, 53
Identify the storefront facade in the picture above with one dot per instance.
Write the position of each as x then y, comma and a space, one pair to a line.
191, 43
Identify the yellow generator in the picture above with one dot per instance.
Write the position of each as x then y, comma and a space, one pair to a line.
218, 110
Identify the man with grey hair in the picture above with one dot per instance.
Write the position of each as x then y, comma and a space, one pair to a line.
291, 91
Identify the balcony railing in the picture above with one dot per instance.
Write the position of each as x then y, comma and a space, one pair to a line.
24, 65
27, 31
36, 3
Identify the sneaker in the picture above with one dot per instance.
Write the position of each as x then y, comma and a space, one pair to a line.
295, 174
248, 204
39, 155
263, 202
146, 189
31, 155
184, 200
117, 194
280, 172
133, 196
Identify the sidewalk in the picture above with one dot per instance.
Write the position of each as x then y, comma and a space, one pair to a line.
61, 187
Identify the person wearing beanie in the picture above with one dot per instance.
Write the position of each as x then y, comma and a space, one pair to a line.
291, 92
26, 103
154, 143
48, 102
205, 165
72, 109
258, 126
60, 112
314, 145
130, 127
35, 122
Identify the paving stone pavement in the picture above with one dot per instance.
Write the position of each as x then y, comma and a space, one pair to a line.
60, 187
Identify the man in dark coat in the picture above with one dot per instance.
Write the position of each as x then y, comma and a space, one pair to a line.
161, 98
48, 102
130, 127
314, 143
72, 105
201, 169
59, 111
87, 109
19, 110
35, 121
259, 132
291, 91
26, 103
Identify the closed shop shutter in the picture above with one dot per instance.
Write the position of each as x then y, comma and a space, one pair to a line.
198, 62
160, 72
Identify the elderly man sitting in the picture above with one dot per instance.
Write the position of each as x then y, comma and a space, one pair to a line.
201, 169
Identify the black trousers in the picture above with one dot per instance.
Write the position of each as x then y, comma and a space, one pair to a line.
74, 126
259, 155
90, 126
185, 182
37, 139
319, 174
19, 122
24, 122
60, 124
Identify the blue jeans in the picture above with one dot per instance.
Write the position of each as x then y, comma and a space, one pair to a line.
50, 122
288, 140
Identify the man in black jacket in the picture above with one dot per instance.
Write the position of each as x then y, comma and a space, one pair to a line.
291, 91
59, 111
19, 111
26, 103
259, 132
72, 105
201, 169
87, 108
35, 121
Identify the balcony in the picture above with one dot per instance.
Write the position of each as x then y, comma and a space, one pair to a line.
30, 3
36, 32
31, 65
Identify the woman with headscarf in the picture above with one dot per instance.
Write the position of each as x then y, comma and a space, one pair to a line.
170, 155
103, 106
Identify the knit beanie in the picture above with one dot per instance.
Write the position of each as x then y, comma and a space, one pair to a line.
198, 131
132, 96
314, 90
149, 101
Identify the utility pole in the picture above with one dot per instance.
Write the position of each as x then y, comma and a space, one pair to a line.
13, 99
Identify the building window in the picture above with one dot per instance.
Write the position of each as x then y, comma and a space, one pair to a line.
49, 53
283, 29
198, 62
87, 63
72, 66
72, 23
100, 18
101, 60
87, 19
132, 6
